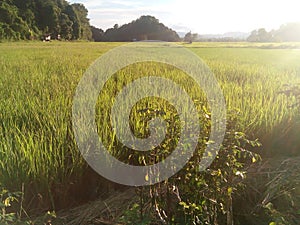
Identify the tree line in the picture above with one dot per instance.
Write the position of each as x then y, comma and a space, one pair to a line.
35, 19
31, 19
289, 32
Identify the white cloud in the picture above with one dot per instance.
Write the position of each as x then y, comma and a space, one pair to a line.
233, 15
209, 16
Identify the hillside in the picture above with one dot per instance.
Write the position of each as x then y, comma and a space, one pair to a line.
144, 28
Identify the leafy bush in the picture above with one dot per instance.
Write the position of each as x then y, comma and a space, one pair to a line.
133, 216
6, 200
203, 197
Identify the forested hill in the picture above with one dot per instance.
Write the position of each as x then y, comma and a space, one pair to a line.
144, 28
31, 19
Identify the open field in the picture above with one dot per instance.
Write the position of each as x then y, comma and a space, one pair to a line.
38, 82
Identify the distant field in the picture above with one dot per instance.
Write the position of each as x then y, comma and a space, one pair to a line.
38, 80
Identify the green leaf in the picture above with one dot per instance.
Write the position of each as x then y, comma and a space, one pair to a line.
7, 202
147, 177
229, 190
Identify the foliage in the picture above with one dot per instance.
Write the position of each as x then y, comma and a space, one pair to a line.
132, 216
260, 35
85, 32
144, 28
97, 34
7, 200
29, 19
287, 32
205, 197
12, 26
188, 37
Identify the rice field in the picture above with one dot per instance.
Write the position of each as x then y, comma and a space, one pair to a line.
38, 82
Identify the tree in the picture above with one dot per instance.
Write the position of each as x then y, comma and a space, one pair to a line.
195, 36
12, 25
97, 34
188, 37
85, 29
253, 36
70, 11
260, 35
49, 18
116, 26
288, 32
66, 27
263, 35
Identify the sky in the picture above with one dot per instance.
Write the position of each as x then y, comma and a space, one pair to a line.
198, 16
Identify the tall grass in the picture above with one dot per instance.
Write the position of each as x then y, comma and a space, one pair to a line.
251, 80
38, 80
36, 87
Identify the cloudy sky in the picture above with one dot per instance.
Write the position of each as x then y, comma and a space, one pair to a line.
203, 17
